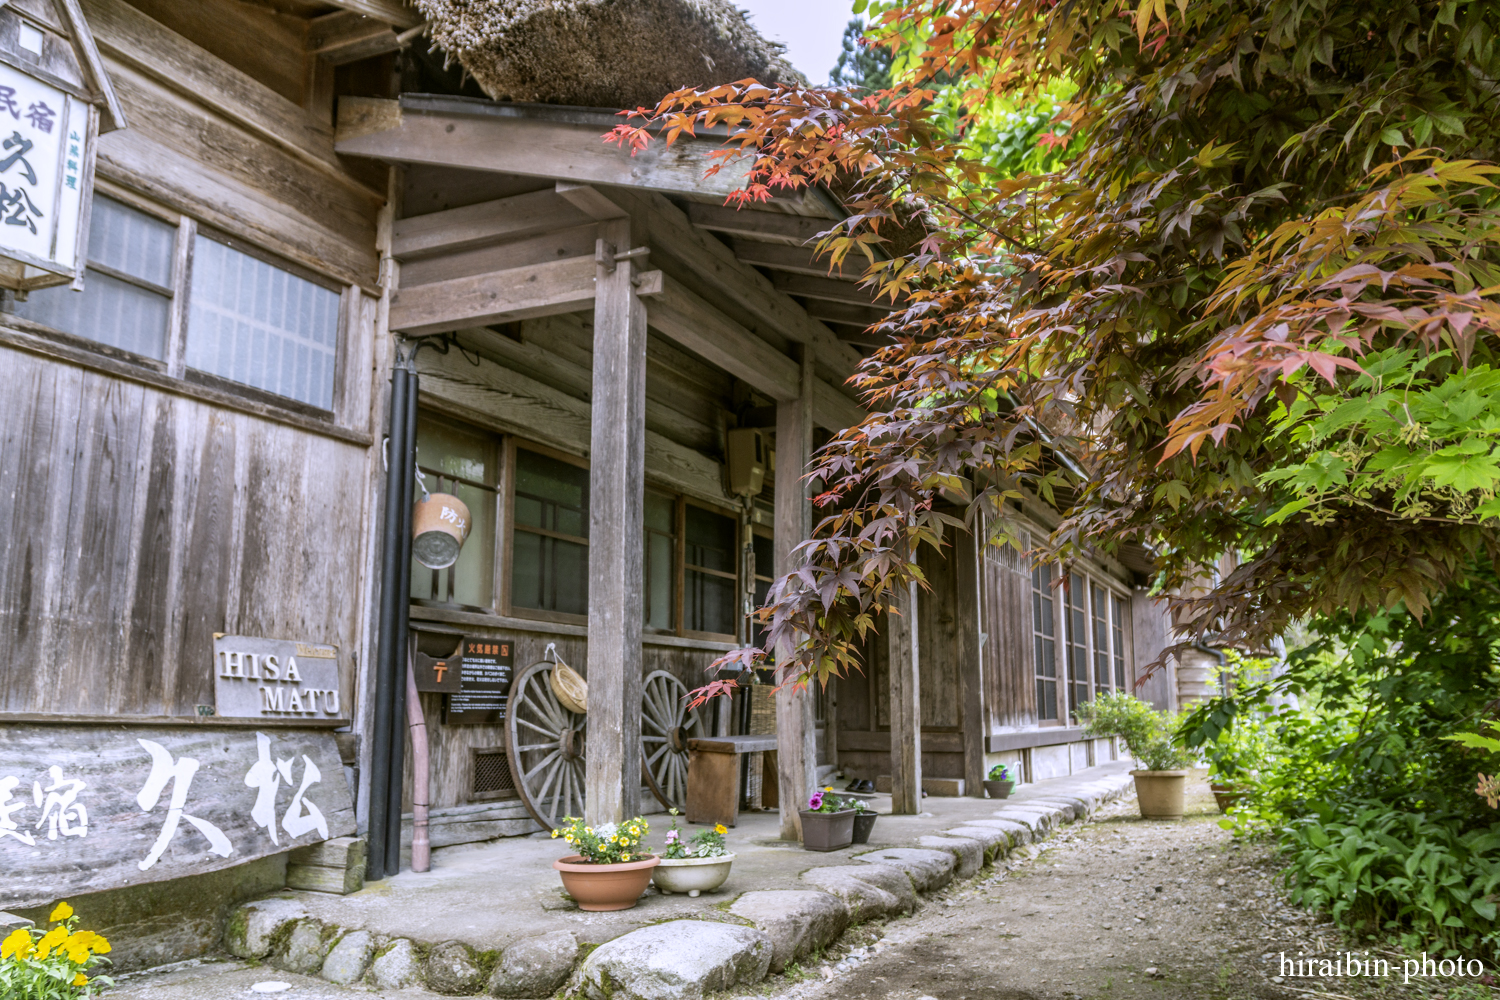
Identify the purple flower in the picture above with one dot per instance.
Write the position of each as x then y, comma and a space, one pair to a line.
816, 802
671, 836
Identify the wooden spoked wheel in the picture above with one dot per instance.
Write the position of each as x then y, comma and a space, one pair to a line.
666, 726
545, 744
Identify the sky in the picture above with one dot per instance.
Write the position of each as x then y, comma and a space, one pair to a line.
813, 30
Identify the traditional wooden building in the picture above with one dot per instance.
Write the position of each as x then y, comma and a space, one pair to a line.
621, 379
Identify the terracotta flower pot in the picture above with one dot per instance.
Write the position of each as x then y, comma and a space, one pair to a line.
864, 822
827, 831
1226, 796
1159, 793
605, 887
999, 789
692, 875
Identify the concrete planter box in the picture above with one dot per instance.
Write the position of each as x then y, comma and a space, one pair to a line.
691, 875
1159, 793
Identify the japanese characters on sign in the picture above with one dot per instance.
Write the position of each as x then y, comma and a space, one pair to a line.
275, 678
43, 143
92, 809
484, 683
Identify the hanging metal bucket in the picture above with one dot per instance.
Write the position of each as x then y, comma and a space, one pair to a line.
439, 525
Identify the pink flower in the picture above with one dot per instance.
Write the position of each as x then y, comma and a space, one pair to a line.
671, 836
816, 802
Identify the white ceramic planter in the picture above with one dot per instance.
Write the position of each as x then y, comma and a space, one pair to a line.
691, 875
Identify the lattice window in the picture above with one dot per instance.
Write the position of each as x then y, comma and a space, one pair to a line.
492, 775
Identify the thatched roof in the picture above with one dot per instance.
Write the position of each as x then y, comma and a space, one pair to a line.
601, 53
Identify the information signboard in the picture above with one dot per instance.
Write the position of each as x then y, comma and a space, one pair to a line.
484, 683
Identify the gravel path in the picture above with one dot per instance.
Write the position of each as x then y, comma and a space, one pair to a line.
1117, 908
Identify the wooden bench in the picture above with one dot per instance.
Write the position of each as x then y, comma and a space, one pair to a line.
713, 782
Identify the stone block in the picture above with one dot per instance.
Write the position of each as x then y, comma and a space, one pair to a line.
865, 901
305, 949
796, 921
889, 880
1019, 833
535, 966
677, 960
252, 929
349, 958
452, 969
396, 967
929, 870
996, 842
969, 854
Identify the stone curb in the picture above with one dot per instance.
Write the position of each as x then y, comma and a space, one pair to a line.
771, 928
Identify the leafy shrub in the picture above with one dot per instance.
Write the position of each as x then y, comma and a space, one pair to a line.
825, 802
1148, 734
707, 843
1000, 773
1384, 870
611, 843
53, 964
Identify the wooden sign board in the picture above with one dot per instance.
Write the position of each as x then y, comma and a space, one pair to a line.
484, 684
83, 809
276, 679
439, 669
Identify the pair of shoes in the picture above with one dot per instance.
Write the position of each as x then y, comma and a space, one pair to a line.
861, 785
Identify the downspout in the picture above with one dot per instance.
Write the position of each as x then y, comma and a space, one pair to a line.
421, 847
401, 605
385, 666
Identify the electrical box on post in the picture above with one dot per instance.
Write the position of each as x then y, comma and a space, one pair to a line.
748, 458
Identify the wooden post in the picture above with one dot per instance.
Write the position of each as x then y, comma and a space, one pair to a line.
796, 735
906, 709
968, 556
617, 460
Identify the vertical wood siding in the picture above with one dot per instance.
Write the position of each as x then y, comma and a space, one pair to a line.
134, 524
1010, 687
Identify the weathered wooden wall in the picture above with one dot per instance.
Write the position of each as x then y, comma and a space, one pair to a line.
135, 523
1009, 660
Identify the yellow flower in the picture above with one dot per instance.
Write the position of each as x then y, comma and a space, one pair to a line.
78, 954
624, 857
63, 912
588, 829
80, 980
50, 940
100, 946
555, 833
827, 788
18, 944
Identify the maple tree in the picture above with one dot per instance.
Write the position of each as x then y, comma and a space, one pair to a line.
1240, 295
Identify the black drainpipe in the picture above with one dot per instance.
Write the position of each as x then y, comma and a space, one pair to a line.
402, 594
386, 737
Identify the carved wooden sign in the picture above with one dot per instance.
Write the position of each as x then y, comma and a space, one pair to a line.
84, 809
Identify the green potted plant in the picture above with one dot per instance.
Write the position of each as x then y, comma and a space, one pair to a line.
611, 869
827, 822
999, 783
693, 865
864, 820
1148, 734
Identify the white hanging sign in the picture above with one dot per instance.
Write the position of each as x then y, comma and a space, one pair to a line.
44, 144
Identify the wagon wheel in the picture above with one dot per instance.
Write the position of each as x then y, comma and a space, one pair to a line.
544, 743
666, 726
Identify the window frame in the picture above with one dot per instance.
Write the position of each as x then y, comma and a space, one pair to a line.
172, 365
683, 502
497, 455
510, 526
1115, 604
1036, 595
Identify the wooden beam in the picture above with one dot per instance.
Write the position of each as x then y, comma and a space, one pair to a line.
498, 297
795, 260
617, 473
795, 230
688, 320
346, 36
906, 710
967, 609
587, 199
828, 290
481, 225
545, 248
839, 312
480, 135
390, 11
796, 732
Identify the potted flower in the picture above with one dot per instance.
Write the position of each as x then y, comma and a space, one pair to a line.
693, 865
999, 783
611, 869
864, 820
827, 822
1148, 734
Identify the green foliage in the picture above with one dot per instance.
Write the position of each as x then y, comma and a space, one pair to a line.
609, 844
861, 66
1148, 734
706, 843
1000, 773
60, 963
1367, 769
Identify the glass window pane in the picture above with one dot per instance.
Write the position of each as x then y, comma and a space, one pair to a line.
108, 310
765, 557
550, 573
660, 549
1078, 649
551, 494
130, 241
256, 324
661, 513
444, 450
1119, 635
710, 540
1044, 650
709, 603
